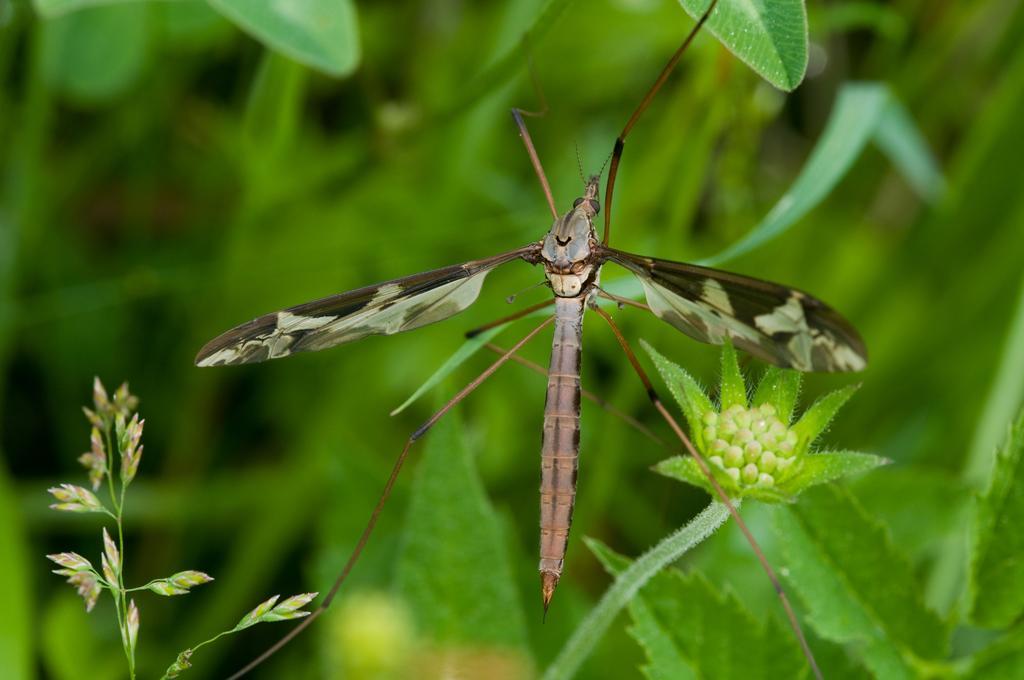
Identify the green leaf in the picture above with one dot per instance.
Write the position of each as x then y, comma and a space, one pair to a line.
734, 389
815, 419
80, 58
900, 140
770, 36
997, 563
453, 557
858, 587
854, 121
686, 391
780, 388
819, 468
322, 34
464, 352
691, 627
668, 550
51, 9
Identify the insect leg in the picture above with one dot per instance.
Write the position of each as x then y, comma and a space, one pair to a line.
368, 531
619, 300
517, 115
656, 400
511, 317
621, 139
589, 396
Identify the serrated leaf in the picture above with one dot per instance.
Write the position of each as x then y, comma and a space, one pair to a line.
815, 419
664, 660
625, 587
705, 628
322, 34
453, 557
819, 468
685, 389
734, 389
997, 565
780, 388
770, 36
858, 587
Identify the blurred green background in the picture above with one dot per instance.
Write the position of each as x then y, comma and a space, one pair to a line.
164, 176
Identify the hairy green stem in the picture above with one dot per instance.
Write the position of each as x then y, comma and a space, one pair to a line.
671, 548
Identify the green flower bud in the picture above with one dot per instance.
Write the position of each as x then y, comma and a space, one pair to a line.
767, 461
733, 456
750, 473
752, 451
765, 479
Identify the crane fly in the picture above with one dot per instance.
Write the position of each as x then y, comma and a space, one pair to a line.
777, 324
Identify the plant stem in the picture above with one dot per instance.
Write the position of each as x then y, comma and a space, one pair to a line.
671, 548
120, 595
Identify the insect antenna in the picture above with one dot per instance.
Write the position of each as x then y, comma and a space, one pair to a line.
620, 141
723, 497
579, 162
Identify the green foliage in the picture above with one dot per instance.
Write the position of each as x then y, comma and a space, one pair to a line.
997, 575
856, 585
862, 112
769, 36
755, 453
322, 34
82, 61
117, 429
166, 172
453, 556
628, 583
685, 624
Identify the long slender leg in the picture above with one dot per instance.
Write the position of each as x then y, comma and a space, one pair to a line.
511, 317
588, 395
618, 299
656, 400
368, 531
517, 115
613, 169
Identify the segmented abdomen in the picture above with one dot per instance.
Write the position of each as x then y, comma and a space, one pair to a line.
561, 441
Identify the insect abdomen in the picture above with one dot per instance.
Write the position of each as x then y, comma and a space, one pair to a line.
560, 443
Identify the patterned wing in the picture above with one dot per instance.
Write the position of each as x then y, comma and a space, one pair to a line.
382, 309
780, 325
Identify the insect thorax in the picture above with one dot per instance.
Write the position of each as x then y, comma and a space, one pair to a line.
567, 253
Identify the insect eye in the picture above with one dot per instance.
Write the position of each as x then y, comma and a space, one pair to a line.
576, 203
595, 206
